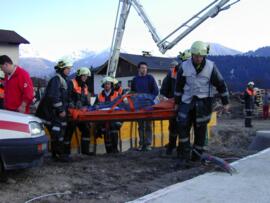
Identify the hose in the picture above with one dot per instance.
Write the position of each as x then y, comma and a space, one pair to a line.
48, 195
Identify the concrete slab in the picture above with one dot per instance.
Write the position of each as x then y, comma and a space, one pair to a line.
250, 184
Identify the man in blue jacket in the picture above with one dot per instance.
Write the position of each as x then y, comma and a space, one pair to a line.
144, 83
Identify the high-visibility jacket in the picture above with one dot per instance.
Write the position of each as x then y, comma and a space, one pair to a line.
2, 91
250, 100
103, 98
78, 89
119, 90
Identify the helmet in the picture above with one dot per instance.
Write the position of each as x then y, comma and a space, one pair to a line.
107, 79
200, 48
63, 63
115, 81
83, 71
251, 83
174, 63
185, 55
2, 74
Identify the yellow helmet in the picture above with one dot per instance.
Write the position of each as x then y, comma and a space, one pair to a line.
200, 48
83, 71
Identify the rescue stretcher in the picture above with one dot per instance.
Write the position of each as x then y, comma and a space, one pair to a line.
161, 111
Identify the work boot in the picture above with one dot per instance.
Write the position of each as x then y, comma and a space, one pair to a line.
195, 156
169, 149
183, 161
148, 148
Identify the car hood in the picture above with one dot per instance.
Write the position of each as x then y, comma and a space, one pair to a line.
17, 117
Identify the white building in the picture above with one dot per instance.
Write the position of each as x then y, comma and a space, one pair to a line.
9, 44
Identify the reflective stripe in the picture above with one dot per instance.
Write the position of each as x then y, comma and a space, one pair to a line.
182, 115
178, 94
61, 139
64, 123
205, 118
46, 122
85, 139
58, 104
225, 94
114, 131
56, 128
67, 143
184, 139
248, 109
198, 147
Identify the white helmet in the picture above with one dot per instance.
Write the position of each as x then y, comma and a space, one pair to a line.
83, 71
64, 63
107, 79
251, 83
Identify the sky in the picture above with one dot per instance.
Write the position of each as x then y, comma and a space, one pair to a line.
58, 27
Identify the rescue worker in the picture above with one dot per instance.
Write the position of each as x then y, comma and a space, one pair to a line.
193, 100
79, 97
167, 91
117, 85
109, 129
19, 91
2, 77
250, 101
144, 83
53, 109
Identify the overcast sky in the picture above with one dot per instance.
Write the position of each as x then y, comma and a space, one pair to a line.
57, 27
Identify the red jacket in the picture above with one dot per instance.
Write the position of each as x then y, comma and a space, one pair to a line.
18, 88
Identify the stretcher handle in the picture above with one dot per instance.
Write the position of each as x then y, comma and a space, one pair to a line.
130, 102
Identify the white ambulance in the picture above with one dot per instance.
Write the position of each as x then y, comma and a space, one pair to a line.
23, 141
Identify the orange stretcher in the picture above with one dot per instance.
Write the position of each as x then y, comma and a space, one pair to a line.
162, 111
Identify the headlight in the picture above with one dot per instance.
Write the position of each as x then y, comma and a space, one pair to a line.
35, 128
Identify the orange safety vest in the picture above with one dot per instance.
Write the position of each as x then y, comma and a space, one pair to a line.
78, 89
173, 73
2, 91
119, 91
101, 96
251, 92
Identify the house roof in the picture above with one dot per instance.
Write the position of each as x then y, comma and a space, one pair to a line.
154, 62
11, 37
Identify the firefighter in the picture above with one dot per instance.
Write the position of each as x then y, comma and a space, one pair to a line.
117, 85
79, 97
2, 77
193, 100
53, 109
109, 129
167, 91
250, 100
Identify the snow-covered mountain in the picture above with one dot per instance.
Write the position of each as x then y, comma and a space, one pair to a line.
263, 51
38, 67
220, 50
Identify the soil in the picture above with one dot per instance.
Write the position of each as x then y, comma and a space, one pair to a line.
125, 176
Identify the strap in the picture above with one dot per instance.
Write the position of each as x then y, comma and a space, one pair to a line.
130, 102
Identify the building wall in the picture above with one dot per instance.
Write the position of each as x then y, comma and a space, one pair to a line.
11, 50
